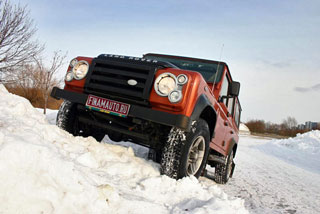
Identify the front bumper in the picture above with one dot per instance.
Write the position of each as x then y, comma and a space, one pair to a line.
177, 120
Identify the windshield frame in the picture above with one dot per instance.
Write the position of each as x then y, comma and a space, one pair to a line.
206, 73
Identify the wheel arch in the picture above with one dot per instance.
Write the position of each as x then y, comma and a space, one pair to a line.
204, 109
232, 146
235, 147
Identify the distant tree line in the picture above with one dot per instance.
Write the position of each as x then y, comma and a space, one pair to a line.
22, 67
288, 127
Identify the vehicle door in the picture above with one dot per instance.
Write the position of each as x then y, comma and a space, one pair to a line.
225, 115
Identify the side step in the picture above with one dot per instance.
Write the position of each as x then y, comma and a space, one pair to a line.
216, 158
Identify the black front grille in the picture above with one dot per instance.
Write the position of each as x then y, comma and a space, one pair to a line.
108, 77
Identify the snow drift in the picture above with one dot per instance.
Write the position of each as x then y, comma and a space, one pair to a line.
46, 170
243, 129
307, 143
302, 150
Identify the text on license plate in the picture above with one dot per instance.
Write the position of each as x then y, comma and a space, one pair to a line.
107, 106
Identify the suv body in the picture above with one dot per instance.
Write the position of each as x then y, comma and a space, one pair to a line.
186, 110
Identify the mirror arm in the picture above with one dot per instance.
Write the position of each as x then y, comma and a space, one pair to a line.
225, 97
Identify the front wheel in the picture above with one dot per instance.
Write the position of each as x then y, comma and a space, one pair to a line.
68, 121
186, 154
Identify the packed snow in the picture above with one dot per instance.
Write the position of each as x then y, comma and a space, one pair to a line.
46, 170
273, 177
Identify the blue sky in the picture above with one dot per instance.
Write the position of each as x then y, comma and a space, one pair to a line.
272, 47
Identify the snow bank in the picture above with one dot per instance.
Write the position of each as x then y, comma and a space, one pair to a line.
308, 142
243, 129
302, 150
46, 170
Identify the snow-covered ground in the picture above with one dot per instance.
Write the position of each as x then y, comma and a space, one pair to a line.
278, 176
44, 169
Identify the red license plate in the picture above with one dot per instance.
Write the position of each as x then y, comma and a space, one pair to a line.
107, 106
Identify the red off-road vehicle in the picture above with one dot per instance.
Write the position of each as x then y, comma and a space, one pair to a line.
186, 110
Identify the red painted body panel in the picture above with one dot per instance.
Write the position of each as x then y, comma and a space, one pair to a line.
77, 85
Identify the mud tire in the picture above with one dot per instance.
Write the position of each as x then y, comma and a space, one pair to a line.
224, 171
176, 152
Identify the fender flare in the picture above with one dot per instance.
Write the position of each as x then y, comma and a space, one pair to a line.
232, 145
202, 105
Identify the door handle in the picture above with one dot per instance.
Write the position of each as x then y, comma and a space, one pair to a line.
231, 132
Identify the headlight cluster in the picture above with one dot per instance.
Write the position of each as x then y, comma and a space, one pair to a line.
168, 85
79, 70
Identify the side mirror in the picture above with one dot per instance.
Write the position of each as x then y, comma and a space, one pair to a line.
234, 89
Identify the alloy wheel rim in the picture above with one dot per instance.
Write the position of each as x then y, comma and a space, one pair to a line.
195, 155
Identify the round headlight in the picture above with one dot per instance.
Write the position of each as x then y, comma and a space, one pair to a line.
73, 63
175, 96
182, 79
165, 83
69, 76
80, 69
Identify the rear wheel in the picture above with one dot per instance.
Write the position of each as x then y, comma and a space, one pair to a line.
185, 154
224, 171
68, 121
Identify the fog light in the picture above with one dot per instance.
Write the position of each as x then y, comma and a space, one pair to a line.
175, 96
69, 76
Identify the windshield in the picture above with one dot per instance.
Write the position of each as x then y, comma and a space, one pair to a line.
207, 70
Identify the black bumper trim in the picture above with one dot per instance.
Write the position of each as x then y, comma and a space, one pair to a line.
177, 120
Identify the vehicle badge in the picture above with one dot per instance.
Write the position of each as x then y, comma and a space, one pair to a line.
132, 82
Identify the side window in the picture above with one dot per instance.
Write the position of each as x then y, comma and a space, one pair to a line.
230, 105
224, 92
224, 89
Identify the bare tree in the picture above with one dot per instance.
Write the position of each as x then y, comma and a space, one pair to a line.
46, 76
16, 34
289, 123
27, 86
27, 82
258, 126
